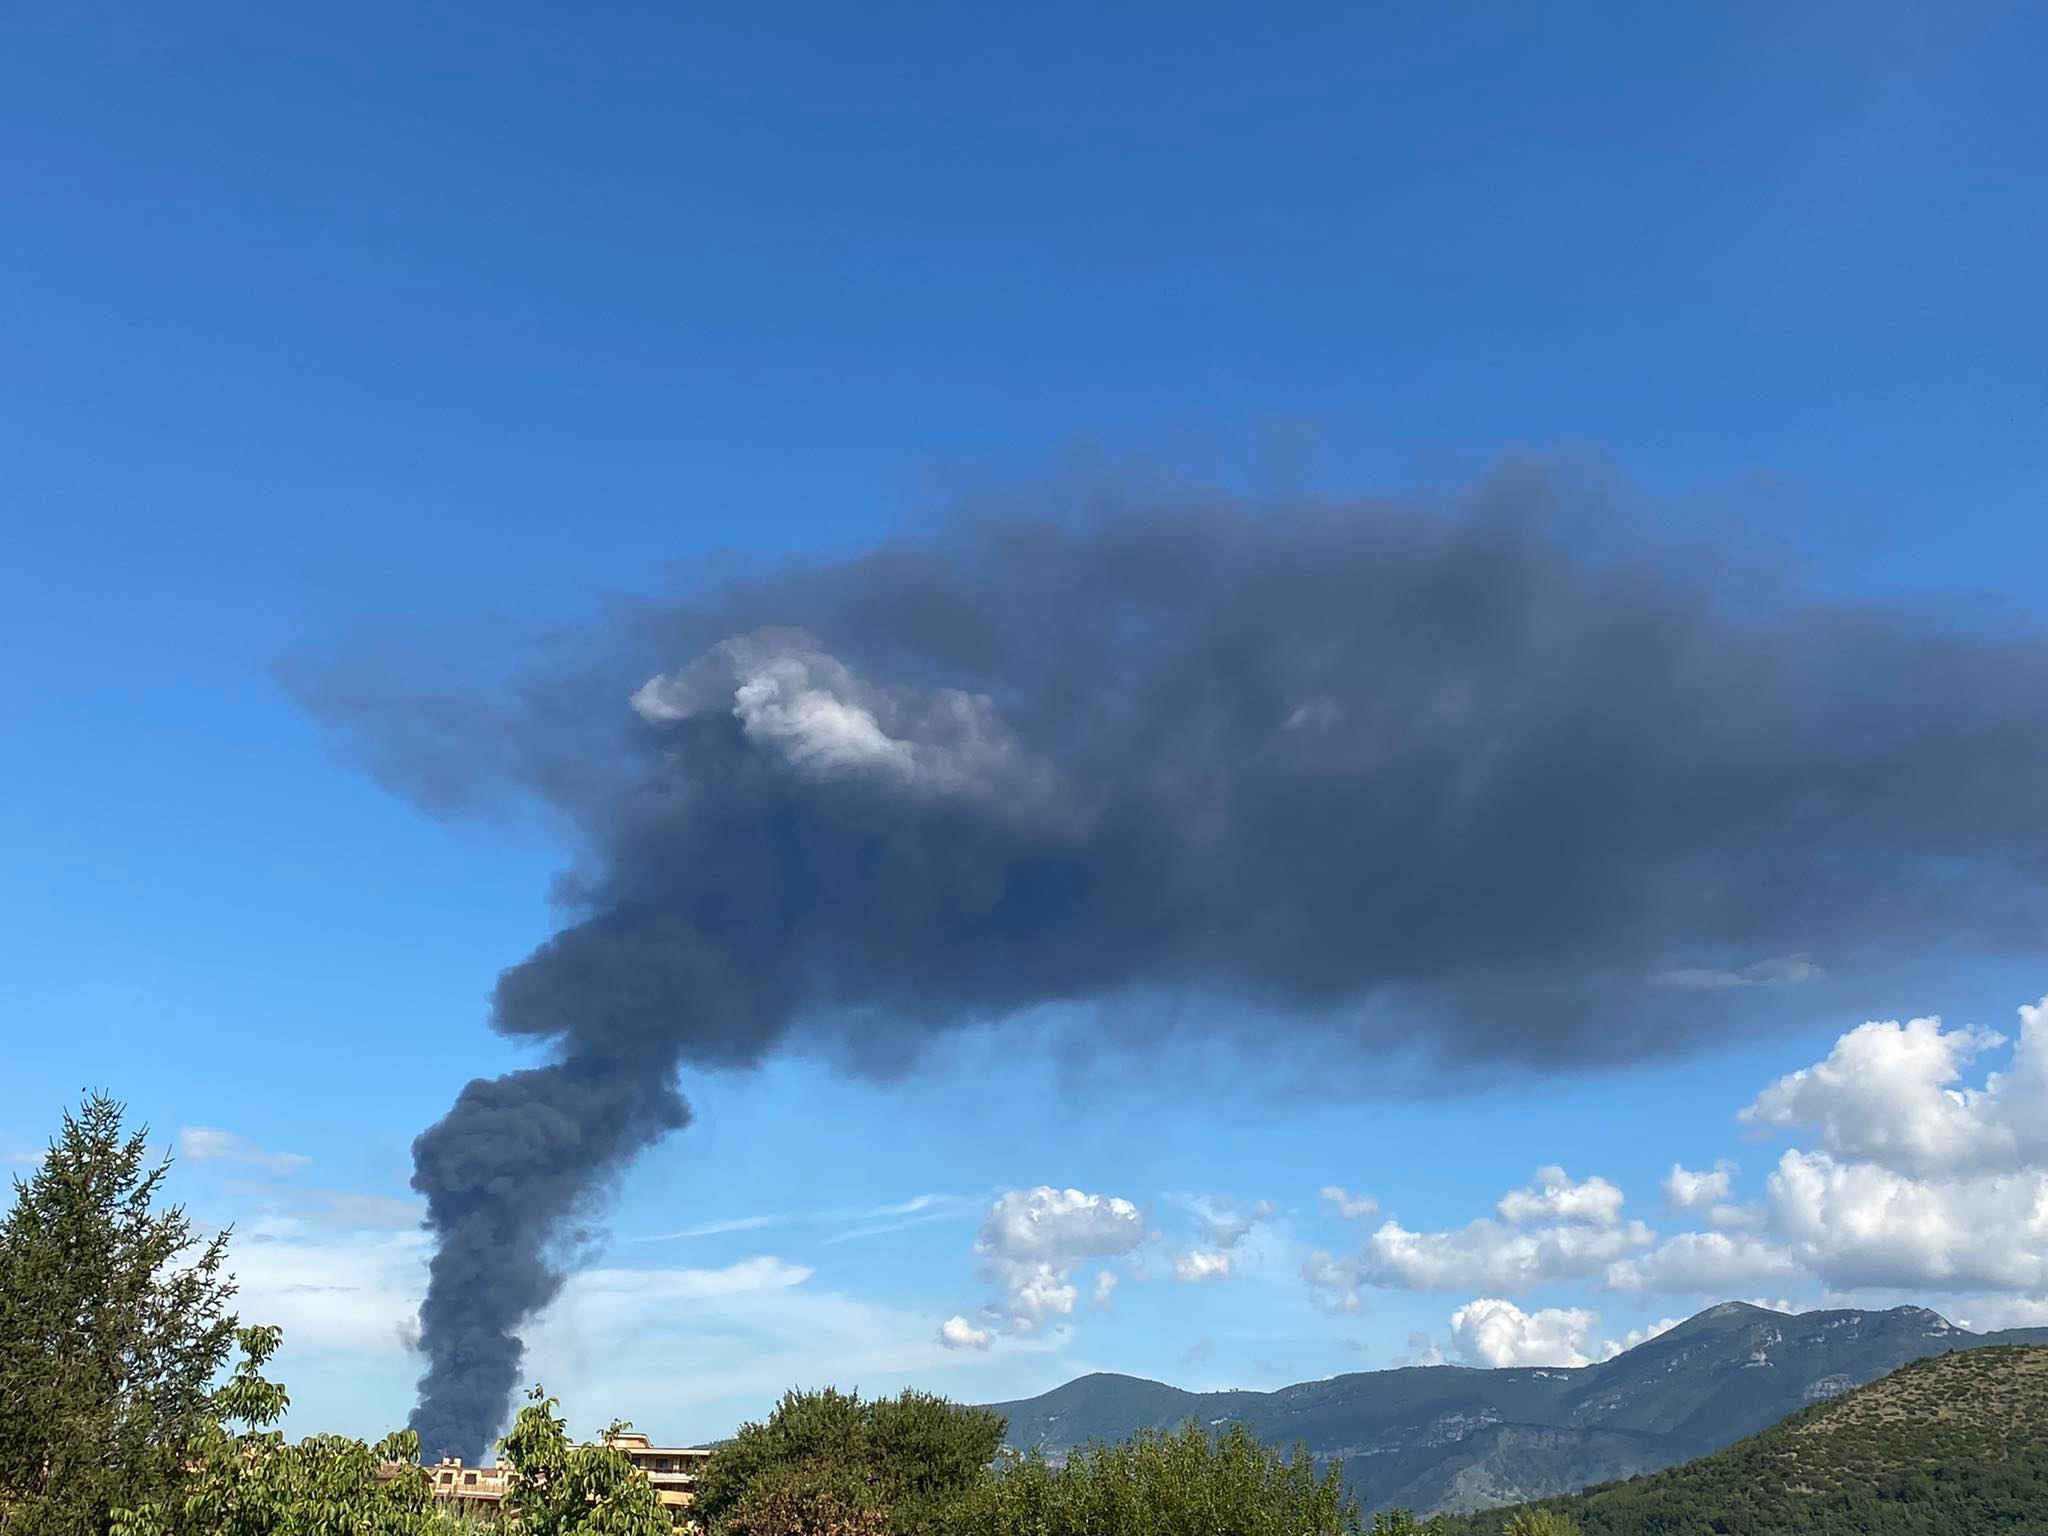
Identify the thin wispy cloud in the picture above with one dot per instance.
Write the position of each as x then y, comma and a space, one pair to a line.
1777, 971
210, 1144
865, 1221
879, 1229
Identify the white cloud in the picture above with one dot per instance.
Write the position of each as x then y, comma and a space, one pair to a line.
348, 1297
330, 1291
1920, 1182
860, 1221
1105, 1287
1988, 1314
1889, 1094
1491, 1331
957, 1333
1777, 971
1552, 1196
1334, 1283
750, 1332
1585, 1233
1422, 1350
793, 697
1033, 1240
1713, 1264
207, 1144
1489, 1255
1686, 1190
1859, 1225
1635, 1336
1350, 1206
613, 1298
1225, 1223
1196, 1264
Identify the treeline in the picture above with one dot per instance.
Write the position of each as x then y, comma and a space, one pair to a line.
121, 1415
828, 1464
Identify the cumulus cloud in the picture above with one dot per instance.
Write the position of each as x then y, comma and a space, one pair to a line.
1551, 1229
1552, 1196
1706, 1264
1888, 1093
1197, 1264
1350, 1206
1687, 1190
1494, 1332
957, 1333
208, 1144
1858, 1225
1224, 1226
1920, 1181
1494, 1256
1033, 1240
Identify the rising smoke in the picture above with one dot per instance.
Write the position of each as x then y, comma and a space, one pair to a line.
1447, 786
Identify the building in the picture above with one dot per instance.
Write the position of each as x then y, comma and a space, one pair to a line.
473, 1490
481, 1490
672, 1469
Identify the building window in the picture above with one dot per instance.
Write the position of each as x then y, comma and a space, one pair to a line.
469, 1479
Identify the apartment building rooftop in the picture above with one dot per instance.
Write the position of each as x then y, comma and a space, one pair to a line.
672, 1469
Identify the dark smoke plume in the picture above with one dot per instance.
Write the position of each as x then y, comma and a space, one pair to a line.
1447, 786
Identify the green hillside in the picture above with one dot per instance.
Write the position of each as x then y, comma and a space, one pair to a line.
1957, 1443
1457, 1438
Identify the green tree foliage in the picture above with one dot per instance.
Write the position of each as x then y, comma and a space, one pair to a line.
113, 1325
1166, 1485
563, 1489
1539, 1522
830, 1462
1401, 1522
244, 1479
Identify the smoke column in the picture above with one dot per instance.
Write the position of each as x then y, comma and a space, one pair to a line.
1376, 780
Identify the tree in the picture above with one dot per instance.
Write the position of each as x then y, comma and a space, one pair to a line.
252, 1482
113, 1324
830, 1462
1165, 1485
1539, 1522
1401, 1522
562, 1489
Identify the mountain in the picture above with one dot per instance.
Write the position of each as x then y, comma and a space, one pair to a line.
1460, 1438
1954, 1443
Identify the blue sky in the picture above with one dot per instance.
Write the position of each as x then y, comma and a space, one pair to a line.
412, 315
